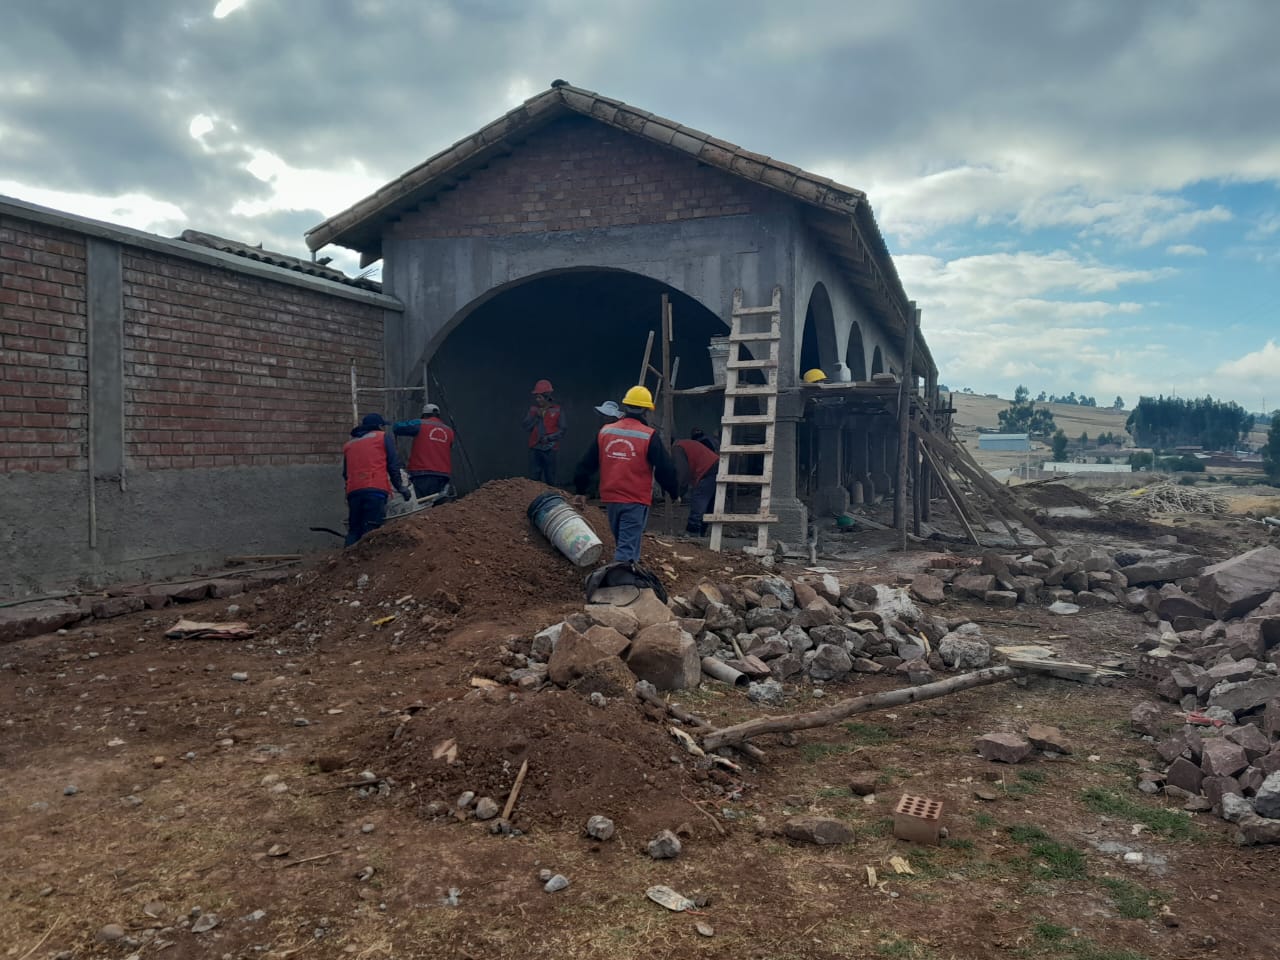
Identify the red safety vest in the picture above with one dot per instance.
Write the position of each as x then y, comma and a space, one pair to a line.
550, 424
625, 474
701, 459
432, 450
366, 460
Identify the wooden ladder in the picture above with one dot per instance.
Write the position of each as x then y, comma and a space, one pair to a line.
754, 326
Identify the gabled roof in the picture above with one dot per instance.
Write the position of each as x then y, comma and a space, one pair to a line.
840, 214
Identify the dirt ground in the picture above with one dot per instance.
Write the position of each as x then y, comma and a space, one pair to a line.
242, 797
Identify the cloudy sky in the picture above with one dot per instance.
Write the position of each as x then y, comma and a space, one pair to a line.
1082, 195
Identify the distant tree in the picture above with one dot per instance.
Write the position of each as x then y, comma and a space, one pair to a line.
1142, 460
1271, 452
1119, 404
1041, 397
1165, 422
1060, 447
1084, 440
1104, 459
966, 389
1023, 416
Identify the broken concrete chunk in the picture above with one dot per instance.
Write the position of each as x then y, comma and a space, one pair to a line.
33, 619
1003, 747
971, 584
961, 653
1044, 737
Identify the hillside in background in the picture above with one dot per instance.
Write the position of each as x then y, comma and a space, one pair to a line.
974, 411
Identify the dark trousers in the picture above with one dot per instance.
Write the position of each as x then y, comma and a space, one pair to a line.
626, 523
542, 466
427, 484
366, 509
700, 502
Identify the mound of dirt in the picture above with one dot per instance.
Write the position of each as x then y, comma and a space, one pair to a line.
583, 759
1056, 495
476, 559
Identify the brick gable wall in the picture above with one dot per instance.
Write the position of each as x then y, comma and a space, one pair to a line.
578, 174
43, 344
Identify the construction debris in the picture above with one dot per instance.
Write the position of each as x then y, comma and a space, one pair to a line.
1163, 497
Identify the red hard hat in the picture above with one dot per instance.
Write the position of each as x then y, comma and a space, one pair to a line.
543, 386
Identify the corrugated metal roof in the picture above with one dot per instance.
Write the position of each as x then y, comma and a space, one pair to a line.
310, 267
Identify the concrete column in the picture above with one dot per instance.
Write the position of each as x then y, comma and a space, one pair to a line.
793, 517
831, 497
878, 441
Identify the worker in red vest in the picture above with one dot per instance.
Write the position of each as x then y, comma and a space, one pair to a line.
628, 456
431, 456
545, 423
371, 471
704, 464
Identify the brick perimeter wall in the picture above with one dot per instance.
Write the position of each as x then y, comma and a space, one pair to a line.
225, 369
578, 174
43, 344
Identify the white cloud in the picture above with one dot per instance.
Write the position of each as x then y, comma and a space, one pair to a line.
1260, 365
1185, 250
297, 188
227, 7
135, 210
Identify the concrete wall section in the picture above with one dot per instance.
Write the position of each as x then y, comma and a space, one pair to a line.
162, 522
106, 359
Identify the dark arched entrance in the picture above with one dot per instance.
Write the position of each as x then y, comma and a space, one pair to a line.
818, 342
855, 358
585, 331
877, 362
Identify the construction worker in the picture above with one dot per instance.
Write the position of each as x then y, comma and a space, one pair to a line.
628, 458
545, 423
704, 464
815, 376
431, 456
371, 472
708, 442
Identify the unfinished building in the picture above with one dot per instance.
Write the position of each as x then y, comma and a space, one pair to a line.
541, 245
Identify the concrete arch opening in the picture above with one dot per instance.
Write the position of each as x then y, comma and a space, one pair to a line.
818, 346
855, 357
877, 362
585, 331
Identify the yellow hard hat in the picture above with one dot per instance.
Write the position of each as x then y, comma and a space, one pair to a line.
814, 376
638, 397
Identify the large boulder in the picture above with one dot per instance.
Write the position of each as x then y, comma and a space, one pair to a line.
573, 655
1236, 586
1222, 758
1267, 617
616, 618
972, 584
1174, 603
927, 588
820, 830
1245, 696
608, 639
1164, 569
818, 613
666, 656
1003, 747
1267, 801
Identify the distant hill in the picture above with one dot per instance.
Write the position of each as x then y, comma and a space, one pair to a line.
974, 411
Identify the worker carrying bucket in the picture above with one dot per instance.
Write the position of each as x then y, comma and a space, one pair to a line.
628, 459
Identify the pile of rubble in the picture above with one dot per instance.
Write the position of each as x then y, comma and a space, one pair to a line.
757, 632
1218, 658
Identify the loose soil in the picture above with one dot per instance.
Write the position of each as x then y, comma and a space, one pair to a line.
186, 778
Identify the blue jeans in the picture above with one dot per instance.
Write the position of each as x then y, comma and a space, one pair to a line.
700, 502
366, 509
626, 523
542, 466
426, 484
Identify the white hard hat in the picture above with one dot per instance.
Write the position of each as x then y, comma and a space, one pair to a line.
609, 408
430, 410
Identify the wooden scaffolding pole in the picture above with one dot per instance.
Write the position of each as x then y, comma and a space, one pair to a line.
905, 390
668, 395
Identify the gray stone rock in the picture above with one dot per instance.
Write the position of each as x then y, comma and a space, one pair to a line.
1236, 586
111, 933
720, 616
1044, 737
1246, 695
665, 846
961, 653
544, 641
820, 830
927, 589
863, 665
1267, 800
487, 808
616, 618
556, 883
205, 922
1147, 718
1185, 775
1216, 788
573, 655
1254, 741
797, 639
910, 648
1164, 569
768, 692
818, 613
1221, 758
1257, 830
1228, 671
600, 828
764, 617
830, 662
1003, 747
1063, 609
973, 584
1235, 808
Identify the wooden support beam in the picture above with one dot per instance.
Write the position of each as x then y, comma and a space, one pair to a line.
906, 388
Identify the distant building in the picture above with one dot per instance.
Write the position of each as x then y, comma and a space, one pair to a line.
1012, 442
1052, 467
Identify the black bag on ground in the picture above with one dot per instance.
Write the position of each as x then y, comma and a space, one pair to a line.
625, 574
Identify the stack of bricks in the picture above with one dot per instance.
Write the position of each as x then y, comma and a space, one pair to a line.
42, 348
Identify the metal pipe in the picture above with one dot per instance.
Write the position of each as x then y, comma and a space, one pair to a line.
719, 670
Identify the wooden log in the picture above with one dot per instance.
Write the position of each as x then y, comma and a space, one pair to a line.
515, 790
694, 721
741, 732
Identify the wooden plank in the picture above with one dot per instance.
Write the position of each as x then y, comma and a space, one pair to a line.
748, 478
904, 426
740, 518
747, 419
767, 364
751, 390
951, 495
746, 448
644, 364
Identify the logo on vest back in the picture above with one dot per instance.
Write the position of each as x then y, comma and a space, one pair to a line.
620, 449
438, 435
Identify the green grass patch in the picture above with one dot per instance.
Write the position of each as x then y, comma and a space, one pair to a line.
870, 734
904, 948
1031, 776
1132, 901
985, 820
813, 752
1055, 941
831, 793
1174, 824
1050, 860
1050, 932
959, 843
